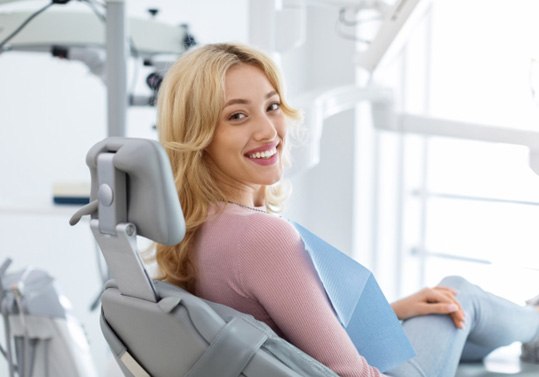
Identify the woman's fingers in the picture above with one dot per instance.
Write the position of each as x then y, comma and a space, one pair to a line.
457, 316
458, 319
438, 308
446, 289
437, 300
442, 300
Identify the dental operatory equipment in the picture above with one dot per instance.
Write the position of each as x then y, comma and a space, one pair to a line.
42, 338
104, 39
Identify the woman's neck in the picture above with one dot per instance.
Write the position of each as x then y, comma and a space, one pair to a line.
250, 198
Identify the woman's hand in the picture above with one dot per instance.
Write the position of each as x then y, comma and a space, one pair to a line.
437, 300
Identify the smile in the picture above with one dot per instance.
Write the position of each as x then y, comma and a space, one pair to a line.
263, 155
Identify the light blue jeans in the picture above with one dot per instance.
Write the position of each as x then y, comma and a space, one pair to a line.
491, 322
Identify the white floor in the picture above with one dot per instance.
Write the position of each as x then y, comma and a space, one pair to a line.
524, 370
502, 363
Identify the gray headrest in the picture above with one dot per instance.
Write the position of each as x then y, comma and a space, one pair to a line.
152, 200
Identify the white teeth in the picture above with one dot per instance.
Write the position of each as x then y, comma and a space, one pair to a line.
266, 154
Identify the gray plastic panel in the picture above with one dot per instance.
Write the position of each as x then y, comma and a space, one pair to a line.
231, 350
152, 201
166, 345
170, 342
124, 264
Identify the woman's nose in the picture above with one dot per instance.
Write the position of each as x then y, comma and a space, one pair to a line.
265, 128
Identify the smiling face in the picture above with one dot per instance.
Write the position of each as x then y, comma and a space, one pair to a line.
247, 145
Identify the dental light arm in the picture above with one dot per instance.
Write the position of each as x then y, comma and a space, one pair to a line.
320, 105
386, 27
395, 19
81, 36
93, 58
429, 126
60, 27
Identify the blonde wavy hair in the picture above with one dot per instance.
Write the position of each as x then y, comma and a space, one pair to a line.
190, 101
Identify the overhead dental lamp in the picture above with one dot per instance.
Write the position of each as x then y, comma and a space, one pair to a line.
103, 38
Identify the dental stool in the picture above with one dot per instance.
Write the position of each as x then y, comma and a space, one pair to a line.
154, 328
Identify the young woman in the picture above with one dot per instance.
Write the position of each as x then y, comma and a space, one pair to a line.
223, 120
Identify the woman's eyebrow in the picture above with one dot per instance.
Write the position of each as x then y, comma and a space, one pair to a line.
235, 101
271, 94
241, 101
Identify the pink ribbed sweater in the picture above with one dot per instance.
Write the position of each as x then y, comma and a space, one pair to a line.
256, 263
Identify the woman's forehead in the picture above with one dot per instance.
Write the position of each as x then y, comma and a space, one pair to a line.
244, 79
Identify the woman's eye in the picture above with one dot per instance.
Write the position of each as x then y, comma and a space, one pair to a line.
237, 116
274, 106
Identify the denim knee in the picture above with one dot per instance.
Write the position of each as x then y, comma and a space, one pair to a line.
467, 293
456, 282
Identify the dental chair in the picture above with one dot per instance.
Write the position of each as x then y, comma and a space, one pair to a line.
154, 328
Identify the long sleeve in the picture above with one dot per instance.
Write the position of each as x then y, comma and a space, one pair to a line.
257, 264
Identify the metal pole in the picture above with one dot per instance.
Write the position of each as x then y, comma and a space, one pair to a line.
426, 146
116, 68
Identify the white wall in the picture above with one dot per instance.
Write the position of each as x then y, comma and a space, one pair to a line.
52, 111
322, 197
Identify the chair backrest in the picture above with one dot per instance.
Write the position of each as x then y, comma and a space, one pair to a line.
153, 328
